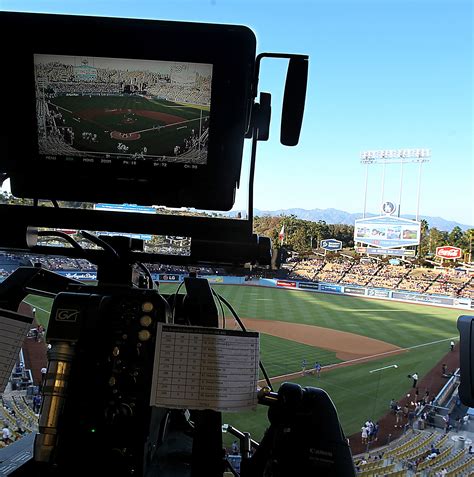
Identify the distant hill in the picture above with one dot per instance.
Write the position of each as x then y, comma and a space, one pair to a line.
335, 216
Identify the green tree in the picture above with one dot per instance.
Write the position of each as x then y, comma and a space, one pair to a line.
468, 240
344, 233
455, 237
436, 238
424, 238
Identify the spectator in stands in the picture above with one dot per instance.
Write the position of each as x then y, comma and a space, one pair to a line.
465, 420
426, 397
43, 377
423, 419
398, 417
36, 403
19, 427
39, 333
431, 455
375, 431
235, 448
446, 420
434, 449
6, 435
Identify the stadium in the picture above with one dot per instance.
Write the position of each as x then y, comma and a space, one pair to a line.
142, 340
128, 109
368, 341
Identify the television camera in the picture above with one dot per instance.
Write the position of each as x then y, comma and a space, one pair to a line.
154, 113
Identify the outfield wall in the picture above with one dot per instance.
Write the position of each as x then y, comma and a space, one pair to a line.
320, 287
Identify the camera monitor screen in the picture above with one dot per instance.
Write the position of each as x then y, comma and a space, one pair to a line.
124, 110
121, 109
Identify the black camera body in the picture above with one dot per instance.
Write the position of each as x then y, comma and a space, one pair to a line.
125, 110
97, 389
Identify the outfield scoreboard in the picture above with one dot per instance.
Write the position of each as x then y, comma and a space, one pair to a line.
387, 232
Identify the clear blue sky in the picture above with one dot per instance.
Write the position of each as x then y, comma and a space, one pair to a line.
384, 74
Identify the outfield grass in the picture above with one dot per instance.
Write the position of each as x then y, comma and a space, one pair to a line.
401, 324
281, 356
357, 394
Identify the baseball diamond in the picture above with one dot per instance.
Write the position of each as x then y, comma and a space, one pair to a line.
99, 123
349, 336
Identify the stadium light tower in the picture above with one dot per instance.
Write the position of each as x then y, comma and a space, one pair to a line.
395, 156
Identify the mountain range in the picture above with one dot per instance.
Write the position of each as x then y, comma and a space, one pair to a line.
335, 216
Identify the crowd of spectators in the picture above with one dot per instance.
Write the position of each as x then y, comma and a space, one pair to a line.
306, 269
78, 265
343, 270
62, 78
376, 274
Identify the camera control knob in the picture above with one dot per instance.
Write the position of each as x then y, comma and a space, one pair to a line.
144, 335
147, 306
146, 320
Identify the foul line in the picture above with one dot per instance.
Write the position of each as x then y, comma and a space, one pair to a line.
157, 128
37, 307
351, 361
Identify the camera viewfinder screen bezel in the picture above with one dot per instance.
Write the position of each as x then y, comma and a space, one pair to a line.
202, 58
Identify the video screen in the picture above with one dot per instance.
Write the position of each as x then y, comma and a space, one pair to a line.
122, 110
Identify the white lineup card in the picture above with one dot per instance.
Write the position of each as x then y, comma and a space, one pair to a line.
13, 330
205, 368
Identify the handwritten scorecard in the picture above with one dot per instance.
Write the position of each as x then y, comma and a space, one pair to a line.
205, 368
13, 330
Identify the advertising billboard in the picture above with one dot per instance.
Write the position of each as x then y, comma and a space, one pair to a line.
439, 300
399, 252
169, 277
449, 252
308, 286
281, 283
327, 287
80, 275
354, 290
387, 232
378, 292
331, 244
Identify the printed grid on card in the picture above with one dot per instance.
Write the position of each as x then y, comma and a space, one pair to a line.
205, 368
